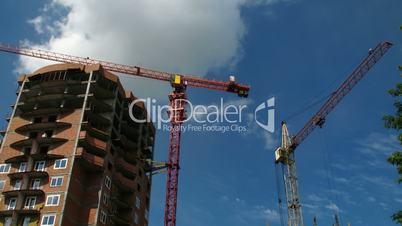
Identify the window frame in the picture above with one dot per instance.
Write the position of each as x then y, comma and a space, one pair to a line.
33, 182
146, 214
15, 188
56, 178
108, 182
2, 184
38, 162
25, 219
105, 199
102, 217
60, 161
48, 216
25, 164
137, 202
136, 218
8, 204
29, 206
52, 197
5, 166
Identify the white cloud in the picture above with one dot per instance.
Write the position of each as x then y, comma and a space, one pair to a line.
268, 214
379, 144
270, 141
314, 198
176, 36
398, 200
333, 207
37, 22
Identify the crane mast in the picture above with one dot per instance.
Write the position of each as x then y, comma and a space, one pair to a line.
285, 154
177, 101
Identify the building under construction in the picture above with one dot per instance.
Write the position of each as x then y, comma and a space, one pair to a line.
70, 153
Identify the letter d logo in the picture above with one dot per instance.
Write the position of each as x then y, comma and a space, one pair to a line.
269, 104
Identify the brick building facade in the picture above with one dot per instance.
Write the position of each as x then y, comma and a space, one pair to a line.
71, 155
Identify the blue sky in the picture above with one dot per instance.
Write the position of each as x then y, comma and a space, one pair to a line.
297, 51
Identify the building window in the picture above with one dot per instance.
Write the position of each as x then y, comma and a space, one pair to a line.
12, 202
52, 200
8, 221
23, 167
30, 202
35, 184
60, 163
103, 217
105, 199
108, 182
40, 166
146, 214
135, 218
26, 221
4, 168
56, 181
48, 220
17, 184
2, 184
137, 202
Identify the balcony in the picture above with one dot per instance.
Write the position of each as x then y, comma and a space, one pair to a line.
123, 183
128, 144
102, 93
69, 104
129, 157
121, 203
47, 98
43, 126
55, 87
130, 129
119, 220
26, 192
98, 106
35, 211
90, 161
30, 174
46, 156
98, 119
126, 168
17, 159
45, 111
37, 157
97, 133
92, 144
42, 141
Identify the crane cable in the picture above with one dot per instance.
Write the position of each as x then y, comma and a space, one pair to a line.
329, 172
278, 189
319, 94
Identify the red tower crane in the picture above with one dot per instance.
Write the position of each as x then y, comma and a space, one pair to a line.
177, 100
285, 153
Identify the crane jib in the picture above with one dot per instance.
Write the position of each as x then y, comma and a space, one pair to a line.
190, 81
361, 70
